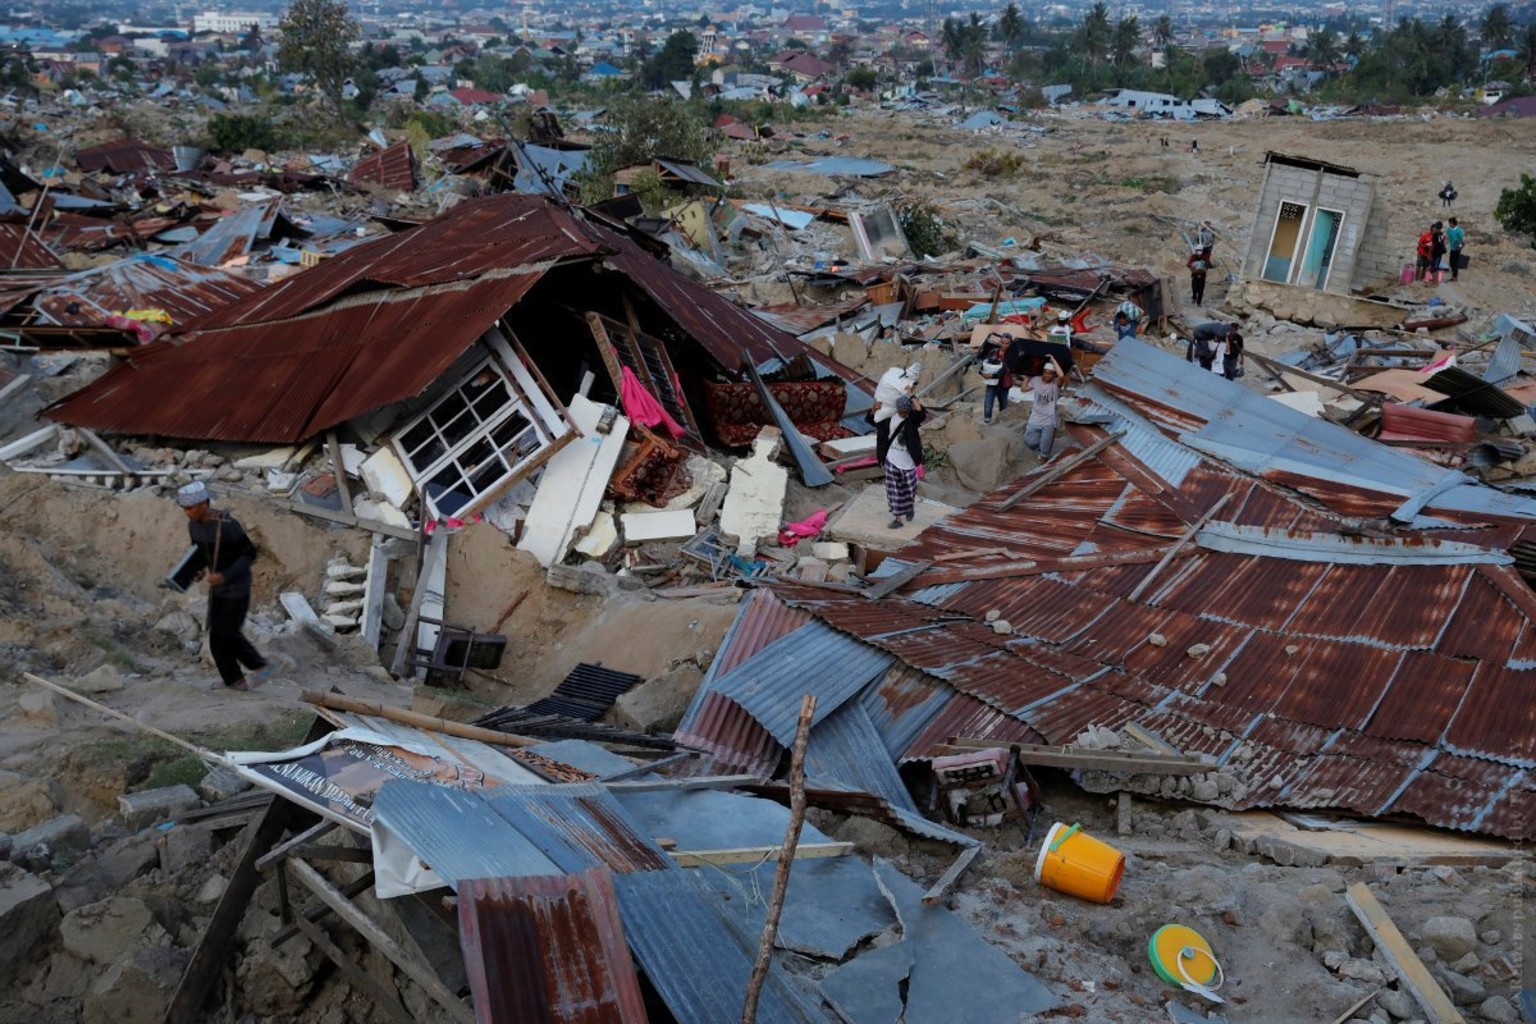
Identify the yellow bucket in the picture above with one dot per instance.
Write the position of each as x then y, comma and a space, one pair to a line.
1073, 862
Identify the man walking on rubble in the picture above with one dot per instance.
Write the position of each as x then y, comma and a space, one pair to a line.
1040, 431
226, 553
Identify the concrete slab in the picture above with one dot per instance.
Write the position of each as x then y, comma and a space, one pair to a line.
754, 505
866, 520
944, 947
600, 537
572, 486
640, 527
867, 990
385, 474
831, 906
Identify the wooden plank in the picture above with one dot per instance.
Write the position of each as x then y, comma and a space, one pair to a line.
1427, 992
14, 386
107, 452
211, 955
890, 584
1150, 739
287, 846
340, 702
374, 586
756, 854
320, 851
319, 913
434, 552
1101, 760
339, 470
1059, 470
1178, 545
947, 879
23, 445
675, 785
360, 978
351, 520
413, 968
1341, 1018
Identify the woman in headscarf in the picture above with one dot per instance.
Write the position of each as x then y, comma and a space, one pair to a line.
903, 461
894, 383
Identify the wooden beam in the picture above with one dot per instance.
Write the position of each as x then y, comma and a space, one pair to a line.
1148, 738
951, 873
1427, 992
434, 547
1077, 563
1178, 545
887, 585
1059, 470
1358, 1004
107, 452
414, 969
1101, 760
958, 365
339, 469
355, 974
211, 955
347, 519
319, 913
340, 702
374, 587
756, 854
1280, 368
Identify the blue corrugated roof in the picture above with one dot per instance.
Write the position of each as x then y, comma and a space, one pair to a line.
846, 748
458, 834
698, 964
813, 659
1255, 435
851, 166
578, 827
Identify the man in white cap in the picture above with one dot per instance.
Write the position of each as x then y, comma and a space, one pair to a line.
226, 554
1061, 331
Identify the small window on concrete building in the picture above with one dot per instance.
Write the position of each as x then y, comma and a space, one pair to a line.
485, 431
1284, 240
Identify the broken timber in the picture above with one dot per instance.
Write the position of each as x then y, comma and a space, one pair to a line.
338, 702
756, 854
1415, 976
1072, 563
1178, 545
887, 585
1059, 470
1094, 760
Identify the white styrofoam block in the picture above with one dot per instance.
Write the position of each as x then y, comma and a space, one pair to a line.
384, 474
644, 526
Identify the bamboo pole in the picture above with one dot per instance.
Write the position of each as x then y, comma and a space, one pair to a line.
786, 860
64, 691
339, 702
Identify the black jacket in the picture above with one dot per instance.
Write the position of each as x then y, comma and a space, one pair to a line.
235, 553
907, 435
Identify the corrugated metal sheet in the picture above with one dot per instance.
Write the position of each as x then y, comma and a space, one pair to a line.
792, 318
459, 835
578, 827
392, 168
901, 703
814, 659
548, 949
846, 748
123, 156
21, 249
735, 741
966, 716
231, 235
183, 290
1470, 794
762, 619
319, 370
697, 964
1495, 717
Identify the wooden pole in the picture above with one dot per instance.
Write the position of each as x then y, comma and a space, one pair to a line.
786, 859
1059, 470
1189, 535
338, 702
206, 755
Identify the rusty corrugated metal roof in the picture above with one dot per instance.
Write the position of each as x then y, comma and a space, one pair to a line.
322, 369
86, 298
393, 167
21, 249
548, 949
122, 156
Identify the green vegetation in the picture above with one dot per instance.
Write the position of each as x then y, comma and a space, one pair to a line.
641, 130
1516, 209
317, 38
995, 163
925, 230
239, 132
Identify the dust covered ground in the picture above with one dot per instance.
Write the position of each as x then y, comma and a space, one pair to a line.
78, 600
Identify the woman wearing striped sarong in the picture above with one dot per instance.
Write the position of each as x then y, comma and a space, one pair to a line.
904, 461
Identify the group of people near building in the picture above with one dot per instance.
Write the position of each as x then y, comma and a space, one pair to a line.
1440, 249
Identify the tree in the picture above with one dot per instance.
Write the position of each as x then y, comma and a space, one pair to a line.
1323, 47
236, 133
1516, 210
1124, 40
1354, 44
860, 78
1093, 35
1498, 31
973, 46
671, 63
1010, 27
317, 41
1162, 32
642, 129
952, 36
1527, 49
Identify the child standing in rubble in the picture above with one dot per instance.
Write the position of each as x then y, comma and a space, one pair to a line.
904, 460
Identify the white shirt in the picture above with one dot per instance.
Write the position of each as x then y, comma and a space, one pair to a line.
897, 455
1046, 394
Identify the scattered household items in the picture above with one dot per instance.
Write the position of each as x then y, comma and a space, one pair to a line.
1073, 862
1181, 956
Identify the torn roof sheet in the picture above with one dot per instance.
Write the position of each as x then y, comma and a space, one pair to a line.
230, 236
835, 166
579, 826
21, 249
459, 835
183, 290
393, 168
548, 949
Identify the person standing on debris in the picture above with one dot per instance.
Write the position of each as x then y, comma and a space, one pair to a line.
903, 462
1436, 251
1061, 331
226, 553
1421, 264
1204, 345
1205, 240
1455, 240
1040, 431
996, 374
1124, 327
1231, 353
1447, 195
1197, 271
894, 383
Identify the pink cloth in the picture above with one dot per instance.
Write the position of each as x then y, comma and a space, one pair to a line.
642, 407
810, 526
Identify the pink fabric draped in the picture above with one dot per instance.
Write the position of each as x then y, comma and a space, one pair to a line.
642, 407
810, 526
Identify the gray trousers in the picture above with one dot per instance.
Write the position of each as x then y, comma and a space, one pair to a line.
1041, 438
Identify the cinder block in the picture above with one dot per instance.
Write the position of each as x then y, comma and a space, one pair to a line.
140, 810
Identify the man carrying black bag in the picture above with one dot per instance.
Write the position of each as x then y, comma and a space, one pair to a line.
226, 554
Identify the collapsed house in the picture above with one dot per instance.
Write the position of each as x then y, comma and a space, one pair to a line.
462, 342
1323, 623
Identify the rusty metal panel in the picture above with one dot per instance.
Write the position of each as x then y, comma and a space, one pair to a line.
902, 702
1036, 606
763, 619
722, 728
795, 319
1463, 793
967, 716
22, 249
1007, 683
1424, 694
578, 826
548, 949
1495, 717
393, 168
1139, 512
1063, 719
1338, 685
1484, 625
122, 156
318, 371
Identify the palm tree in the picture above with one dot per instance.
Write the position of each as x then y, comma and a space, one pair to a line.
1498, 32
953, 39
1354, 44
1162, 31
973, 46
1093, 35
1127, 36
1323, 48
1010, 27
